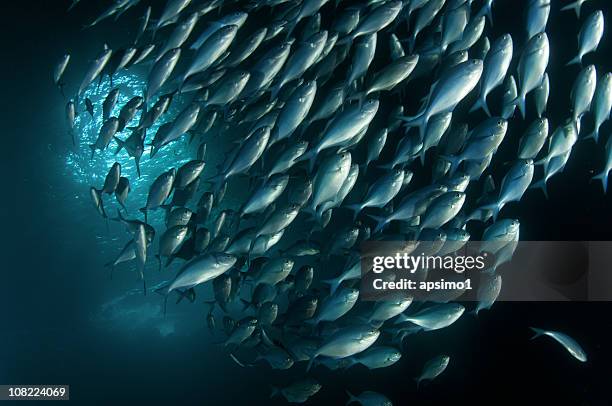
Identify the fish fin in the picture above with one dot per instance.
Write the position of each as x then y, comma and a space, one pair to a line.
541, 184
237, 361
577, 60
603, 177
454, 160
355, 208
274, 391
573, 6
120, 144
93, 149
352, 398
493, 207
594, 135
481, 103
520, 102
381, 222
145, 212
311, 362
538, 332
333, 284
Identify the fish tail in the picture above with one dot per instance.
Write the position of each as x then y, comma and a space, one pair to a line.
311, 362
541, 184
120, 144
145, 212
573, 6
538, 332
486, 11
418, 382
274, 391
381, 222
481, 103
355, 208
311, 157
494, 207
453, 160
333, 284
520, 102
577, 60
594, 135
603, 177
352, 398
137, 160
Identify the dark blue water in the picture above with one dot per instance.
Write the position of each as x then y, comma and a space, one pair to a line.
63, 321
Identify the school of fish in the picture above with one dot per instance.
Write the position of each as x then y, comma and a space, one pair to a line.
306, 142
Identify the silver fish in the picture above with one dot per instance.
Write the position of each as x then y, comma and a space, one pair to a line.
589, 36
602, 103
531, 67
495, 68
95, 68
566, 341
161, 71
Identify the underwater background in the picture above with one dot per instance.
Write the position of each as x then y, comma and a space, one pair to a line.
65, 322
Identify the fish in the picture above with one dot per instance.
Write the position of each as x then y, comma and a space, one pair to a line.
391, 76
575, 5
159, 191
184, 122
140, 246
106, 134
142, 26
298, 391
244, 49
537, 17
531, 67
381, 192
122, 190
199, 270
236, 19
294, 112
582, 92
533, 140
110, 101
336, 305
601, 104
59, 70
496, 65
345, 342
449, 90
161, 71
211, 50
170, 11
300, 60
589, 36
566, 341
345, 126
488, 291
362, 58
95, 69
329, 178
513, 186
180, 34
435, 317
369, 398
603, 175
433, 368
